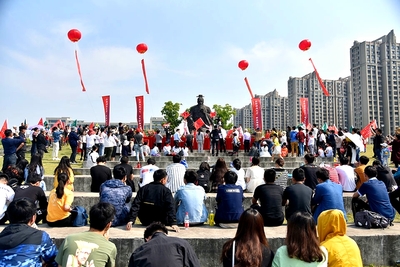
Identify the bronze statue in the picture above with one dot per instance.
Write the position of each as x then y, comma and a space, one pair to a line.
200, 111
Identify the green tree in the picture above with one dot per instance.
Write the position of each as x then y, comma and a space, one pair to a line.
170, 111
225, 113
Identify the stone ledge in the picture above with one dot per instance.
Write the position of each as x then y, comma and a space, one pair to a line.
378, 247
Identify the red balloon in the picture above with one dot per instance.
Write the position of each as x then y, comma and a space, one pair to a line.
243, 64
141, 48
74, 35
305, 45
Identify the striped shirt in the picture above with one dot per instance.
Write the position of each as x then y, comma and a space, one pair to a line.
176, 173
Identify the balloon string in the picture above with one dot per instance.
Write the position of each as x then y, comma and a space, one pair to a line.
321, 83
79, 71
145, 77
248, 87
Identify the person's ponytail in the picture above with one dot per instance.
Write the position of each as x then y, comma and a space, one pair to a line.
62, 182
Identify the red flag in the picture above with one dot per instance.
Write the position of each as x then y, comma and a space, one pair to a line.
229, 133
79, 71
185, 114
304, 110
334, 128
321, 83
256, 109
309, 127
140, 111
106, 105
40, 121
145, 77
91, 126
213, 114
366, 132
3, 129
198, 123
58, 124
374, 125
248, 87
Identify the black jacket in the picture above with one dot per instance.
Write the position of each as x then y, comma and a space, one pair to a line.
153, 203
385, 175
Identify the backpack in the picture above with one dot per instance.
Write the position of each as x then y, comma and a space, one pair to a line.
81, 216
369, 219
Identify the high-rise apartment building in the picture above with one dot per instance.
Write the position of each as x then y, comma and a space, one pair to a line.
334, 109
375, 78
274, 112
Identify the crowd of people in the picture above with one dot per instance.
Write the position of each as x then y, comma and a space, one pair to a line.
313, 202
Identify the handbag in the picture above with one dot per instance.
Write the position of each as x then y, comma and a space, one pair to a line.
369, 219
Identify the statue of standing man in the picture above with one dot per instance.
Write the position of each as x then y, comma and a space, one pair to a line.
200, 111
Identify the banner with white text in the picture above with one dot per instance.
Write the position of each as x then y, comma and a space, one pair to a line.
106, 105
257, 114
140, 112
304, 110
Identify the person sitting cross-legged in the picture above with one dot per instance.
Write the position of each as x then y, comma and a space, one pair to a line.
270, 197
328, 195
154, 203
21, 244
117, 193
377, 196
229, 200
190, 198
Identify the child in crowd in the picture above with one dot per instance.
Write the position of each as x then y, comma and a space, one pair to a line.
328, 151
311, 143
321, 152
155, 152
284, 151
385, 154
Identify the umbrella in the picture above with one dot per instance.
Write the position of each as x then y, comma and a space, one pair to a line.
355, 138
35, 126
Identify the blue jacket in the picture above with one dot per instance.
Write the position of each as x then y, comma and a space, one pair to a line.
328, 195
229, 203
118, 194
23, 245
56, 136
190, 198
73, 138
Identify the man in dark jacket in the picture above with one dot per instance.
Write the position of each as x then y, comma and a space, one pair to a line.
73, 142
41, 143
385, 175
154, 203
21, 244
162, 250
21, 152
378, 140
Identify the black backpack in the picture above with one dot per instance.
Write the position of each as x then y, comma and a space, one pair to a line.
369, 219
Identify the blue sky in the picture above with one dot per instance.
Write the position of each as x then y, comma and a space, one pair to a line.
194, 48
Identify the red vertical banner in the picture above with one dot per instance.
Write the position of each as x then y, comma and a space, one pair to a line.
257, 115
304, 110
106, 105
140, 111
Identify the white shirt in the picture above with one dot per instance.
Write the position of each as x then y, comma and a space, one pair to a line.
155, 151
166, 150
322, 138
311, 141
321, 153
177, 137
246, 136
240, 181
6, 196
284, 139
175, 172
264, 152
256, 175
223, 133
346, 177
146, 174
329, 152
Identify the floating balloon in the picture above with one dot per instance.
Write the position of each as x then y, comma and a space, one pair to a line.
141, 48
243, 64
74, 35
305, 45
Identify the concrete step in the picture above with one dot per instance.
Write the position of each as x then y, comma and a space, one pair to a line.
378, 247
88, 199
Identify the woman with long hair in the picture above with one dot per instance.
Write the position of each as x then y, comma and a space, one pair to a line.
35, 166
302, 245
204, 174
250, 244
237, 168
60, 201
217, 175
64, 167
